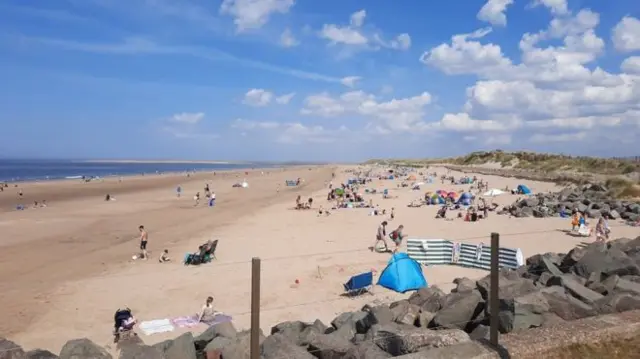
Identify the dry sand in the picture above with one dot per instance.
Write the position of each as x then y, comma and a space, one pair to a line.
65, 271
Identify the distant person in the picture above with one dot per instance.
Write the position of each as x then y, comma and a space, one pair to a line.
397, 236
207, 313
178, 191
381, 234
144, 238
164, 257
20, 193
212, 200
196, 199
392, 215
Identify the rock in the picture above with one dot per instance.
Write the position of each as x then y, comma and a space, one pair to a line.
216, 346
342, 319
83, 348
467, 350
606, 261
290, 330
329, 346
240, 346
366, 350
566, 306
405, 312
382, 314
38, 354
278, 346
459, 310
576, 289
593, 213
11, 350
425, 318
463, 285
510, 286
544, 279
620, 285
430, 299
480, 332
182, 347
515, 315
618, 302
225, 329
140, 352
613, 214
551, 319
401, 339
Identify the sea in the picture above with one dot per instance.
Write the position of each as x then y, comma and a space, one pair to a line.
41, 170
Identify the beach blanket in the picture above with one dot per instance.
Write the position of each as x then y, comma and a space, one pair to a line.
185, 321
220, 318
156, 326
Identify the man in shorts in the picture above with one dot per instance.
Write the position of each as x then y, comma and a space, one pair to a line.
144, 237
397, 236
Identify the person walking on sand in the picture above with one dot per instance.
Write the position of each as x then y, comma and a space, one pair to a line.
196, 199
178, 191
397, 236
144, 238
380, 236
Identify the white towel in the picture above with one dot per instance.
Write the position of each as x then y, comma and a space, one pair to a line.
156, 326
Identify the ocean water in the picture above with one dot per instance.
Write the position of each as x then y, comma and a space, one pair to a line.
29, 170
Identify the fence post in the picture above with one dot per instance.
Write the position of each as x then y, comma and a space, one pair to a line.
494, 300
255, 308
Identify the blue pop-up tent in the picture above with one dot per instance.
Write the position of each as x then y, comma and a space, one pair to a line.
465, 199
523, 189
402, 274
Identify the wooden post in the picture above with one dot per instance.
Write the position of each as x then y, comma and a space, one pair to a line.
255, 308
494, 300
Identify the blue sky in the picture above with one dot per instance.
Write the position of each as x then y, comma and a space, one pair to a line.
317, 80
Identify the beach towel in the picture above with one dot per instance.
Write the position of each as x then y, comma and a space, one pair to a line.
185, 321
156, 326
220, 318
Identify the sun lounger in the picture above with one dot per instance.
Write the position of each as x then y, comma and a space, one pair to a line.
359, 284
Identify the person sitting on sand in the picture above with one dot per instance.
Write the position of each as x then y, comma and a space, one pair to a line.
164, 257
207, 313
397, 236
299, 202
442, 213
602, 230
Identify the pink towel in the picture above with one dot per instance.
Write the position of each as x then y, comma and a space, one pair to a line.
185, 321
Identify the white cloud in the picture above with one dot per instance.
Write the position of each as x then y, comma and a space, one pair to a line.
258, 97
631, 65
350, 81
395, 115
557, 7
285, 99
626, 34
565, 137
287, 39
552, 88
253, 14
253, 125
354, 35
188, 118
493, 12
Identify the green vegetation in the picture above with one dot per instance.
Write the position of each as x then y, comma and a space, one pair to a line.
532, 161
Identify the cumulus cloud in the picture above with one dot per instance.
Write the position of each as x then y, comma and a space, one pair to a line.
253, 14
493, 12
287, 39
355, 35
626, 34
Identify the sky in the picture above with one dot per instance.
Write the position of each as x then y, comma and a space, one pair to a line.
317, 80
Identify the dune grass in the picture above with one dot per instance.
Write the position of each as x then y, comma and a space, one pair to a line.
542, 162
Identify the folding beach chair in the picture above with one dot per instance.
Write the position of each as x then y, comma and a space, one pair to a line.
359, 284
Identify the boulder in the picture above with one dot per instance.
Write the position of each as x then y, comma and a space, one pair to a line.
225, 329
240, 346
83, 348
290, 330
597, 258
566, 306
617, 303
459, 310
405, 312
576, 289
480, 332
398, 339
278, 346
329, 346
366, 350
464, 285
424, 319
10, 350
382, 314
510, 285
39, 354
140, 352
215, 347
430, 299
182, 347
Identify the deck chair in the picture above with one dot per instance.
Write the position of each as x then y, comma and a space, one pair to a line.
359, 284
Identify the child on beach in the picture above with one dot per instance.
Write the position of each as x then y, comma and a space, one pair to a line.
164, 257
144, 237
397, 236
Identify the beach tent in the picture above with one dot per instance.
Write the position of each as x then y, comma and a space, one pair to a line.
523, 189
437, 199
465, 199
402, 274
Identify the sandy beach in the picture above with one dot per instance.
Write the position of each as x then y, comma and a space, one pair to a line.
66, 268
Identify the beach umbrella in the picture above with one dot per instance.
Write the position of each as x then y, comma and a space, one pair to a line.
493, 192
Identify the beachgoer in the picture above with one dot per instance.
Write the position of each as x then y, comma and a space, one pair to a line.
178, 191
207, 313
164, 257
212, 200
392, 215
196, 199
380, 236
602, 230
20, 193
397, 236
107, 197
144, 238
575, 221
299, 202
